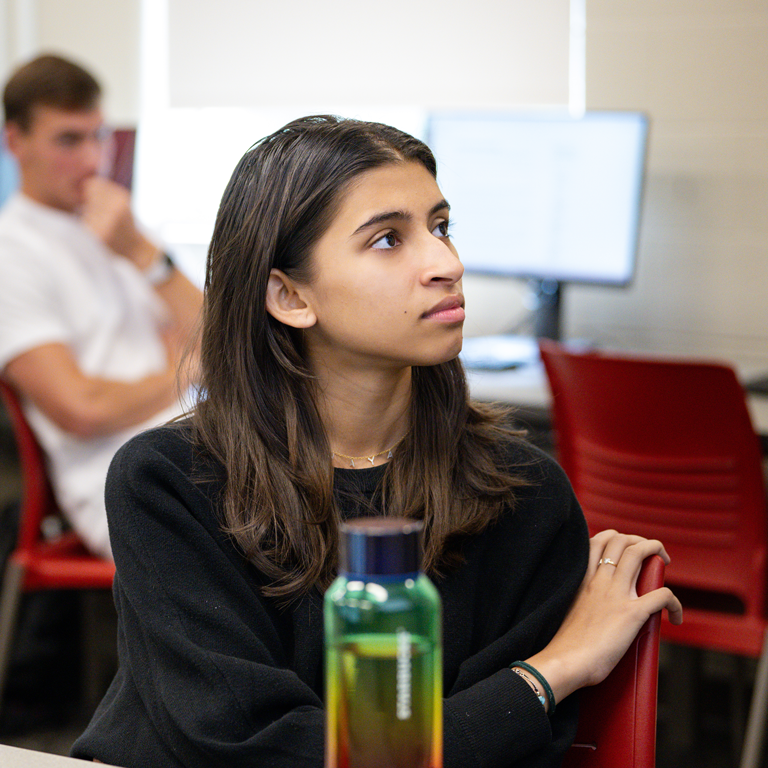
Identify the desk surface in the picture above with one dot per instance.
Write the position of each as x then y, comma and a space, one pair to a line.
527, 387
14, 757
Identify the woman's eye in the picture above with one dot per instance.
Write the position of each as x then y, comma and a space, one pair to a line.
442, 229
386, 241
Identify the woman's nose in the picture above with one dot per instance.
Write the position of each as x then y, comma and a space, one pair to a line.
444, 264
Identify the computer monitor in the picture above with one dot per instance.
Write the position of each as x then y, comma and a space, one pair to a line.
543, 196
9, 173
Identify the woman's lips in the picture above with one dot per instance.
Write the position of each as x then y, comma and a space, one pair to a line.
449, 310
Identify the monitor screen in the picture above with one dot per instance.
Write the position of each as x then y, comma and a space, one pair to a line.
543, 196
9, 173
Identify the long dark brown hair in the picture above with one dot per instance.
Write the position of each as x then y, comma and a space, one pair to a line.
260, 418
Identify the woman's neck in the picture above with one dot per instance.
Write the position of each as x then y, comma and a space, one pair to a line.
365, 414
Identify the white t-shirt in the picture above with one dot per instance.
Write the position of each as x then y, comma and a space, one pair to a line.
60, 284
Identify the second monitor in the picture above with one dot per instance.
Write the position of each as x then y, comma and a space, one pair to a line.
544, 196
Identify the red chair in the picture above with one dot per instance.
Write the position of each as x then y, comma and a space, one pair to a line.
666, 449
38, 563
617, 718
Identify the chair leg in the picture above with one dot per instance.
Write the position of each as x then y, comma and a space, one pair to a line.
682, 676
741, 679
99, 645
753, 740
9, 609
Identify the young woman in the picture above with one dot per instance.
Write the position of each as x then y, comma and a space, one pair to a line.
333, 321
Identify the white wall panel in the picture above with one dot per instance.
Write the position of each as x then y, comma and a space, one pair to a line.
406, 52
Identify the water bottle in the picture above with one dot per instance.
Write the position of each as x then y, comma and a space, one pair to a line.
383, 641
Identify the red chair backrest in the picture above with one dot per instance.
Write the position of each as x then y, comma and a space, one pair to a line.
666, 449
617, 718
37, 496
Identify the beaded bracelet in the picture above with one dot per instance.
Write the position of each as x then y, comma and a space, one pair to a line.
533, 685
542, 681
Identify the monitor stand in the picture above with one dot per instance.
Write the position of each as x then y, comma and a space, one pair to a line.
757, 385
499, 352
506, 351
546, 300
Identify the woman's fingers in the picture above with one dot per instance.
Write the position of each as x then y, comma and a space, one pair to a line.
607, 612
616, 544
664, 598
609, 548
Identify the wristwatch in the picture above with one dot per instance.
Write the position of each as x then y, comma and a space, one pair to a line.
161, 270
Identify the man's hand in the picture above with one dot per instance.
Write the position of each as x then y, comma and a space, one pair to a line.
107, 213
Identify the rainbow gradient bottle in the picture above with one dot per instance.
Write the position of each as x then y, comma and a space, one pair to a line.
383, 645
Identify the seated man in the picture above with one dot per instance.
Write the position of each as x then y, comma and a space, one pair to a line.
94, 317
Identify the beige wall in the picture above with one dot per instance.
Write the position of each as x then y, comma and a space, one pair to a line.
700, 69
246, 53
102, 35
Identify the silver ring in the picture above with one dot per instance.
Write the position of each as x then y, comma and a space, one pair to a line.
608, 561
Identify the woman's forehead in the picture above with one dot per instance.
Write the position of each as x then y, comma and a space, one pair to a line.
406, 188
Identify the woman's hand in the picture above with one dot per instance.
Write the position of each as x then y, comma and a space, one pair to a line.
606, 614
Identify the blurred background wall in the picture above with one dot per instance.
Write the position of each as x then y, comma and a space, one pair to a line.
699, 68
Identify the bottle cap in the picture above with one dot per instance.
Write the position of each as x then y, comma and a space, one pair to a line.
381, 546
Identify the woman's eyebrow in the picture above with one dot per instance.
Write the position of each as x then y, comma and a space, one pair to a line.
398, 216
442, 205
381, 217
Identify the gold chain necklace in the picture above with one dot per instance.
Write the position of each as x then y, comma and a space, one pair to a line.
353, 459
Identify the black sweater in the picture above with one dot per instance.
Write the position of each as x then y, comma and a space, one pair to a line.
212, 674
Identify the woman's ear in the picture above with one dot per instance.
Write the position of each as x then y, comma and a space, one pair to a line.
286, 302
